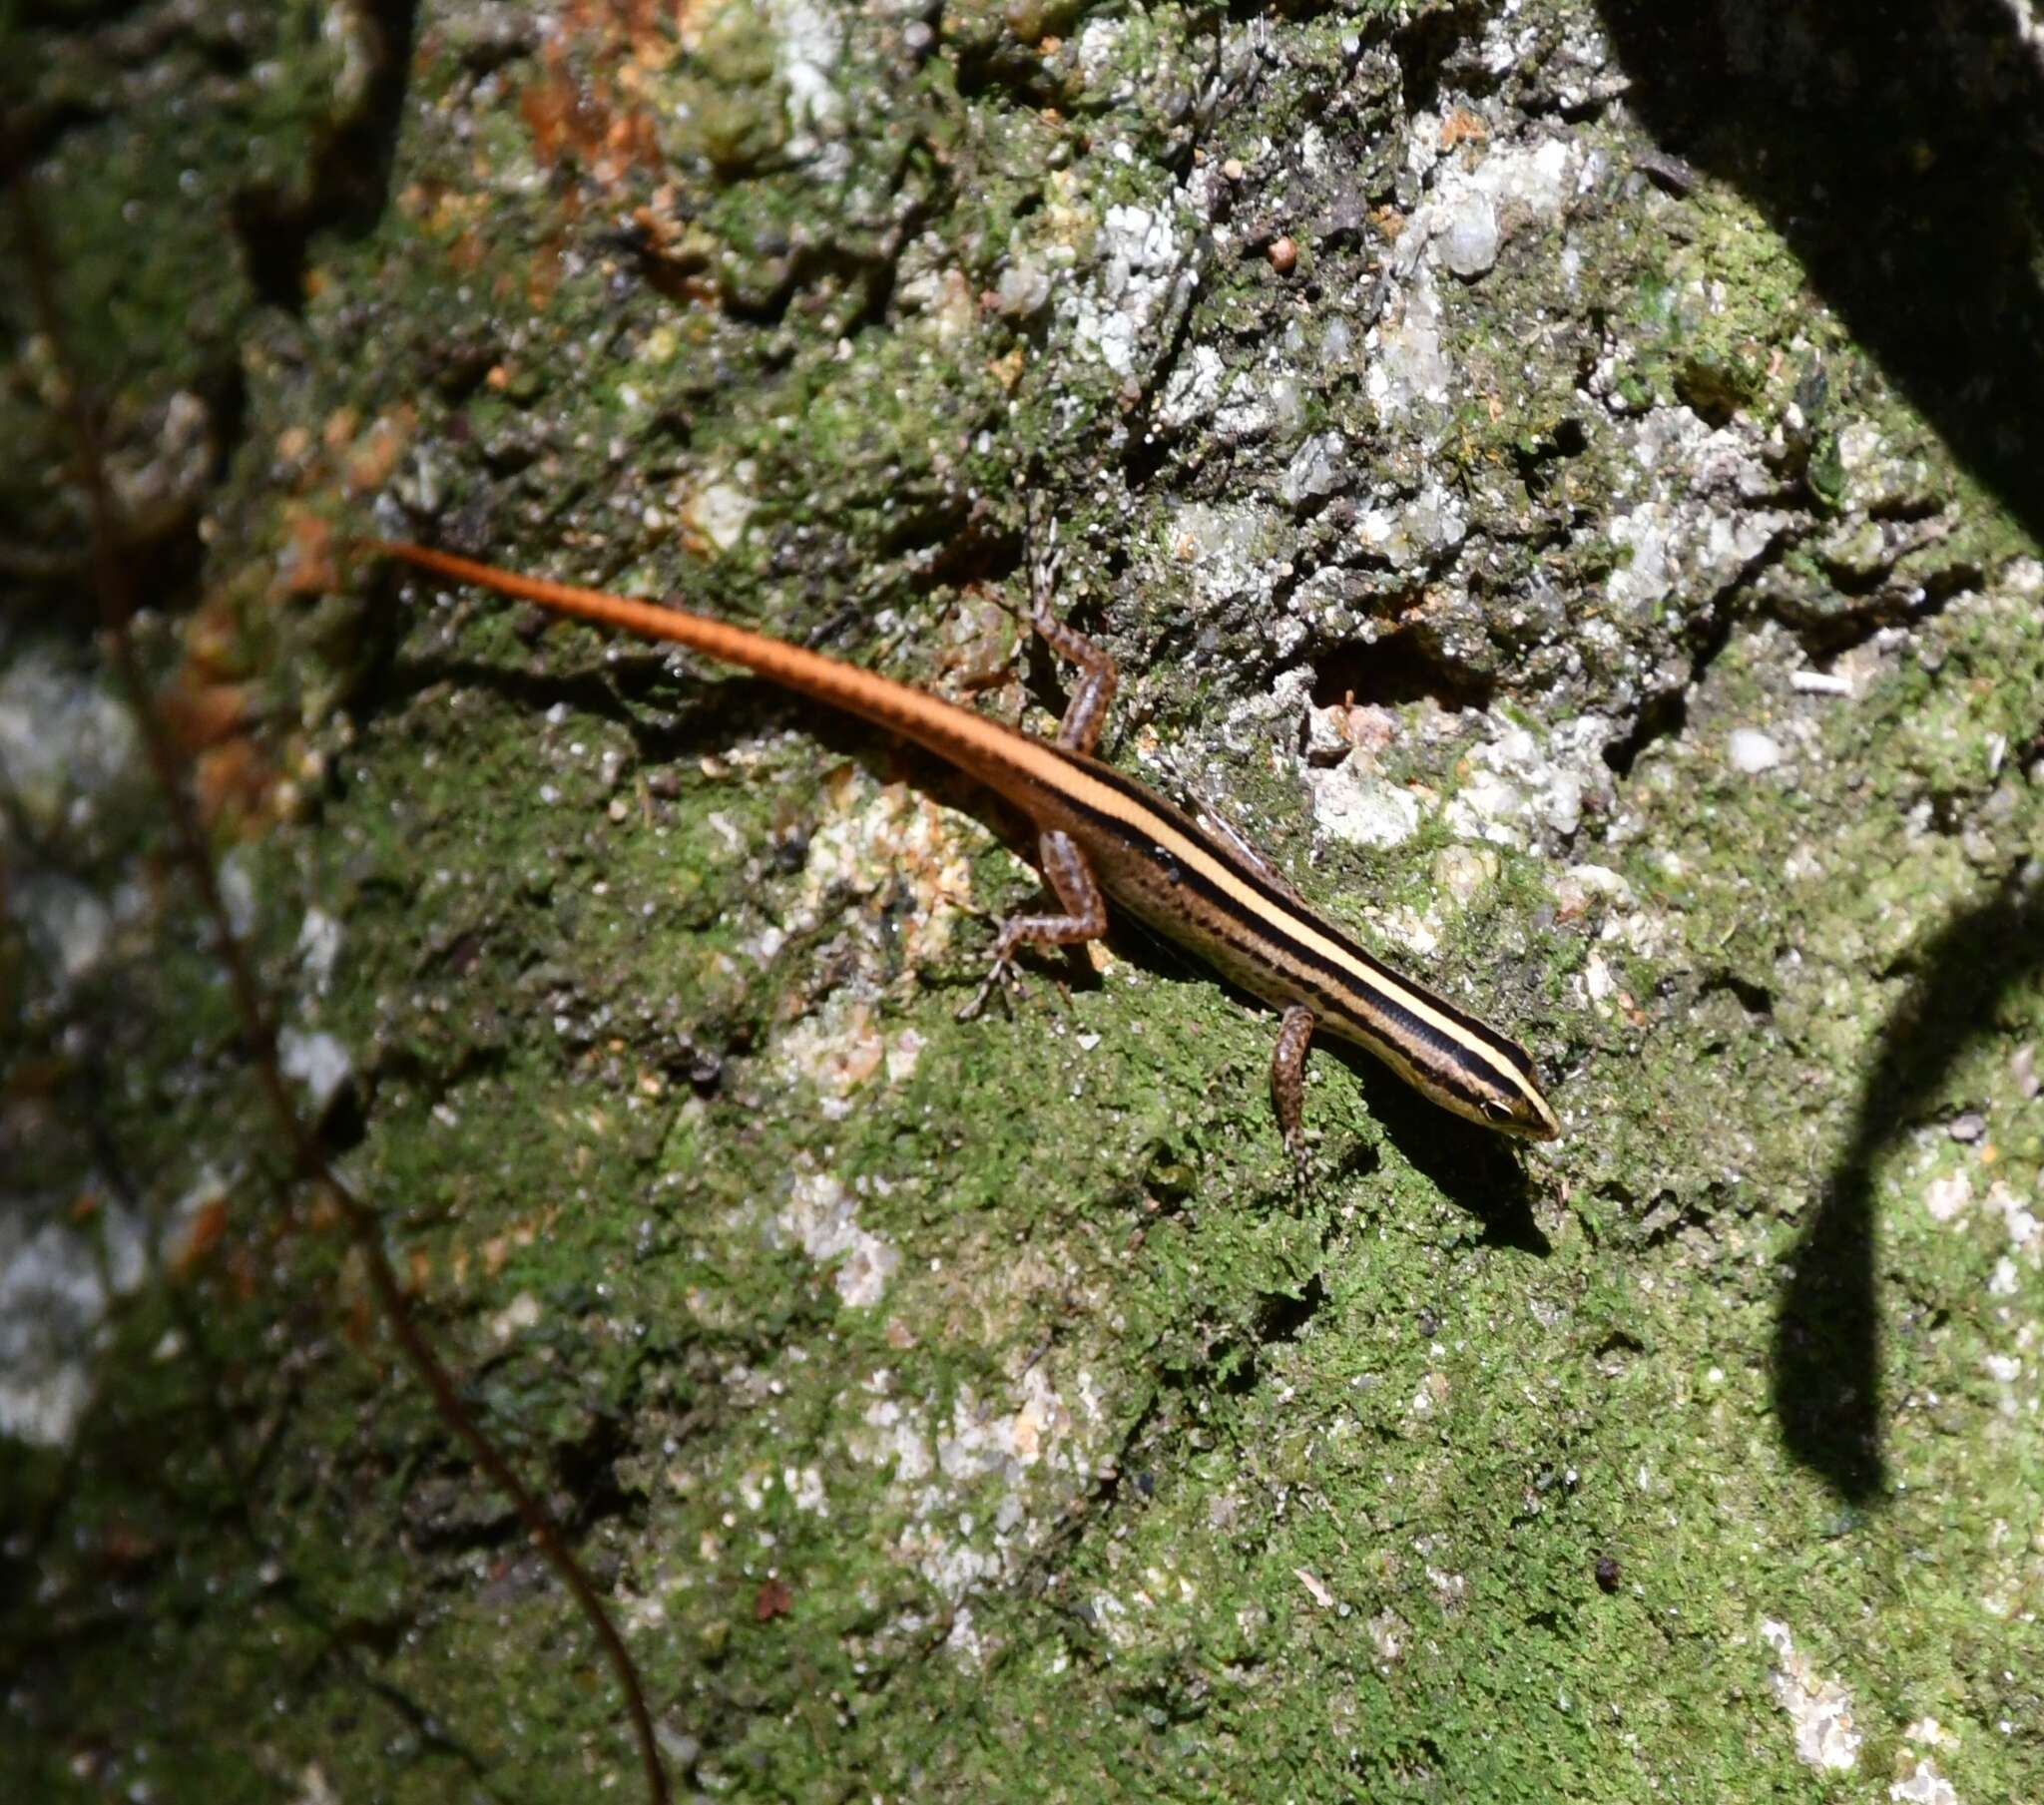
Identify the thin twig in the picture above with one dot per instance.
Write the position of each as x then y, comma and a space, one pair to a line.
309, 1158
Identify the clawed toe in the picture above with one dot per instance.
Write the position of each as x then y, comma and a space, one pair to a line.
1002, 976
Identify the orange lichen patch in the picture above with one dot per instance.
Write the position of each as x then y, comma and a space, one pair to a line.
1462, 127
544, 276
232, 782
215, 648
547, 105
200, 714
467, 251
310, 568
676, 251
196, 1237
692, 18
595, 116
375, 454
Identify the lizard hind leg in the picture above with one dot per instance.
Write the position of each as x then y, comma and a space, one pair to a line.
1085, 917
1288, 1079
1085, 712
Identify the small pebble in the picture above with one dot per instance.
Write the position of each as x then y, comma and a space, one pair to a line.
1468, 244
1820, 682
1752, 751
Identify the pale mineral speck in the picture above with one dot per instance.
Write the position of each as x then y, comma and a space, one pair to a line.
1192, 389
1024, 290
722, 509
517, 1317
1753, 752
1468, 238
1315, 1587
1464, 872
317, 1061
804, 1489
1947, 1197
1319, 468
1407, 364
320, 939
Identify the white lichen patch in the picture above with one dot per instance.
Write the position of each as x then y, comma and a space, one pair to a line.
822, 1217
64, 742
1526, 787
1818, 1707
1353, 803
2025, 1230
880, 845
69, 926
516, 1317
892, 1433
721, 508
315, 1059
1407, 363
1229, 551
977, 1490
56, 1284
841, 1046
1192, 389
1922, 1785
1947, 1197
1682, 542
804, 1489
320, 937
885, 842
808, 47
1137, 255
1413, 532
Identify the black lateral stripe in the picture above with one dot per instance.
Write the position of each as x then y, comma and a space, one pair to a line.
1145, 802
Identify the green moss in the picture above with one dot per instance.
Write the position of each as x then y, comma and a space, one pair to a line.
985, 1408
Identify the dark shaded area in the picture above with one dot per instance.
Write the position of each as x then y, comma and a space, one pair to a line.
349, 178
1664, 715
1897, 145
1401, 668
1826, 1364
1474, 1168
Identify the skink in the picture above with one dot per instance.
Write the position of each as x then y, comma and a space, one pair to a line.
1100, 834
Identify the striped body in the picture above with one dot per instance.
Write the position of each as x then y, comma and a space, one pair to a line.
1192, 882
